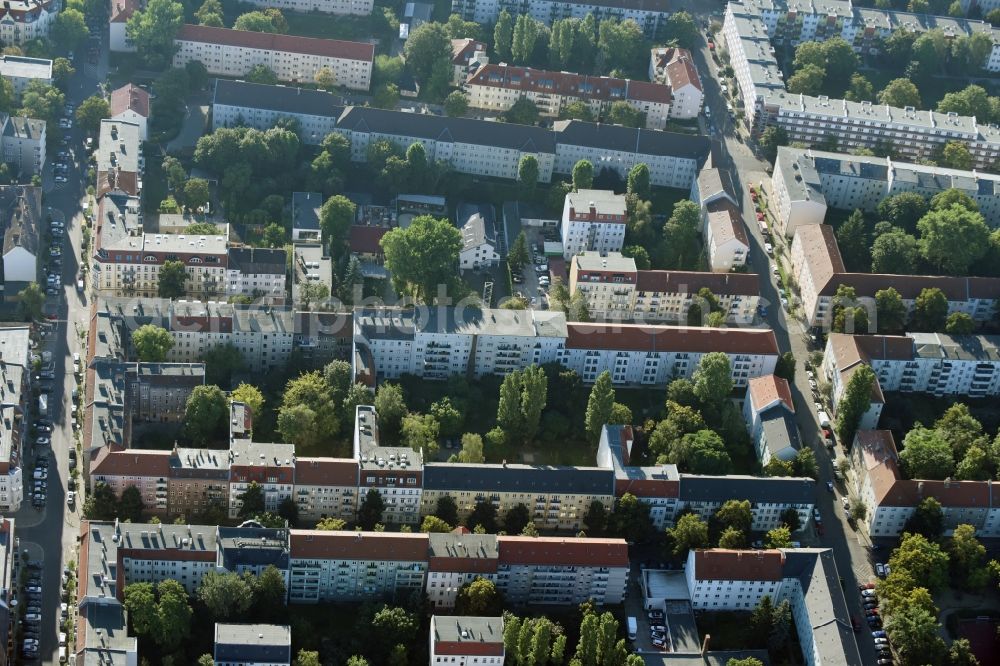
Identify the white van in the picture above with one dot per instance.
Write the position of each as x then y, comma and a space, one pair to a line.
824, 419
633, 628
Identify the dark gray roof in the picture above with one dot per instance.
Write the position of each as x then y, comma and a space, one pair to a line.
780, 429
283, 99
253, 547
257, 261
253, 643
757, 489
628, 139
519, 478
439, 128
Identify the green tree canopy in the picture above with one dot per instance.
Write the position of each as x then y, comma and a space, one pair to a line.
926, 455
953, 238
422, 256
153, 30
151, 343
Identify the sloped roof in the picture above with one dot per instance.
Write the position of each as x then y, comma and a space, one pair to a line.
130, 97
269, 41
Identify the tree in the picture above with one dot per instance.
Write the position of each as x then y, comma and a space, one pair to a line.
30, 301
890, 311
331, 524
860, 89
518, 256
206, 660
956, 155
735, 514
790, 518
420, 433
335, 219
930, 311
852, 239
428, 55
807, 81
447, 510
623, 113
422, 256
732, 539
953, 238
221, 361
770, 139
900, 93
434, 524
976, 465
210, 13
456, 104
503, 35
483, 515
778, 467
391, 409
915, 636
596, 519
583, 175
250, 396
151, 343
92, 111
927, 519
262, 74
713, 381
522, 112
172, 279
926, 455
226, 595
472, 449
577, 111
259, 21
131, 506
746, 661
516, 518
779, 537
903, 210
895, 252
206, 413
855, 402
638, 180
311, 658
252, 500
968, 558
69, 28
62, 72
960, 429
960, 323
153, 31
527, 31
599, 406
689, 532
308, 414
960, 653
681, 28
527, 175
140, 602
479, 598
41, 101
196, 193
370, 511
173, 614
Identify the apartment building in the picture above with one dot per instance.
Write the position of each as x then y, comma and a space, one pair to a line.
467, 55
556, 497
130, 104
120, 12
750, 27
15, 393
770, 416
26, 20
892, 499
737, 580
726, 241
819, 270
21, 221
335, 7
234, 53
22, 70
806, 182
243, 104
616, 290
271, 466
159, 391
326, 488
8, 573
496, 87
102, 633
119, 160
436, 344
456, 559
258, 273
23, 143
479, 244
396, 473
649, 15
559, 571
306, 208
769, 497
132, 266
658, 487
252, 644
934, 363
466, 641
593, 220
311, 268
673, 66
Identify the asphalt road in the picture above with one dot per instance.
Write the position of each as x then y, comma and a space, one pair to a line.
850, 547
49, 534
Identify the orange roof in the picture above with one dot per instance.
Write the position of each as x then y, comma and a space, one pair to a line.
820, 253
131, 462
462, 50
267, 41
122, 10
344, 545
568, 84
640, 337
563, 551
130, 97
681, 71
765, 390
726, 221
690, 282
722, 564
326, 472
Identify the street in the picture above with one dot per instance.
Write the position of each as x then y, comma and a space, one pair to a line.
49, 533
849, 546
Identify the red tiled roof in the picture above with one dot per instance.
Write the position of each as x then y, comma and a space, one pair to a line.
125, 181
130, 97
131, 462
462, 50
820, 253
563, 552
267, 41
122, 10
326, 472
910, 286
658, 488
681, 71
726, 221
640, 337
768, 388
381, 546
365, 239
568, 84
690, 282
721, 564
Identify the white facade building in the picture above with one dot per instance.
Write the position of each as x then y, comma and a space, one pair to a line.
466, 641
121, 12
23, 144
478, 244
335, 7
130, 104
649, 15
238, 103
675, 68
593, 220
21, 70
235, 52
25, 20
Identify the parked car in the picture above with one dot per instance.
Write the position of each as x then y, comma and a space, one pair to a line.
829, 486
866, 586
880, 570
869, 594
818, 518
878, 634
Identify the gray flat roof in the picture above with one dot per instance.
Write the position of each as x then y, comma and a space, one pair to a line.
282, 99
757, 489
519, 478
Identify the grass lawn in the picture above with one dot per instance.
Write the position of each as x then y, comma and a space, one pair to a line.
732, 631
664, 198
154, 182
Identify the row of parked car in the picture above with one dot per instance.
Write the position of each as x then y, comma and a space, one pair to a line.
32, 597
869, 599
657, 629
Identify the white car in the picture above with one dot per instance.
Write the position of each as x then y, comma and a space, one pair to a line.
33, 617
61, 179
816, 515
769, 249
